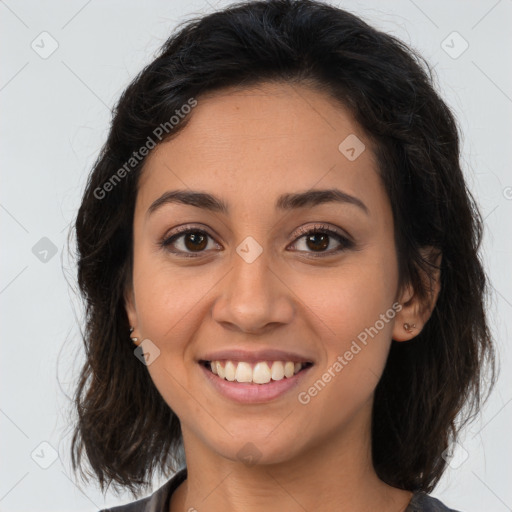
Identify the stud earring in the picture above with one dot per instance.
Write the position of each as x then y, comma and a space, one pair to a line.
409, 328
133, 339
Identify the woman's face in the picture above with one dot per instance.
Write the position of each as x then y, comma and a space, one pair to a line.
255, 281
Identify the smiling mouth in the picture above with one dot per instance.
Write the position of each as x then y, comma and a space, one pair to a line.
261, 372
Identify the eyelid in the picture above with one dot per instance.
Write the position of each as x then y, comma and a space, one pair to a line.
344, 240
320, 226
175, 234
188, 227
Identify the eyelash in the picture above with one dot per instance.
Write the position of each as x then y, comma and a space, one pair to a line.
344, 241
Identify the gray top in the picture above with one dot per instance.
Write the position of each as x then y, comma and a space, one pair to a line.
160, 500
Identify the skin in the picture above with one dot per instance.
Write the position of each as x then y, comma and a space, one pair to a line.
248, 146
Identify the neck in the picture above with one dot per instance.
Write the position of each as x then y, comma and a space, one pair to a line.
334, 474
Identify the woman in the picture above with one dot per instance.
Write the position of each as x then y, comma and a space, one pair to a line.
279, 222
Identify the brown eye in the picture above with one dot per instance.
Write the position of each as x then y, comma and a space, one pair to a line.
195, 241
187, 242
318, 240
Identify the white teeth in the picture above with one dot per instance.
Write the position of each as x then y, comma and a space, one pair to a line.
278, 371
261, 373
229, 371
289, 369
243, 372
220, 370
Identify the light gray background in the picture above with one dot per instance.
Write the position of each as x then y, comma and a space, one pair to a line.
55, 114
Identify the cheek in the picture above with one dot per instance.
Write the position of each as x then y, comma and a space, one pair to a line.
168, 297
352, 296
169, 304
353, 312
353, 317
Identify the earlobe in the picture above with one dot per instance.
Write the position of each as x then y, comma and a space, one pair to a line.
131, 313
404, 326
415, 312
133, 338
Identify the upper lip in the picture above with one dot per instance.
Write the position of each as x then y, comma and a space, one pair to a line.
253, 356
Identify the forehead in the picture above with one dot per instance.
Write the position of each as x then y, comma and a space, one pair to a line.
251, 145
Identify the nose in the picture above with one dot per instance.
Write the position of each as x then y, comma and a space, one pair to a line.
253, 298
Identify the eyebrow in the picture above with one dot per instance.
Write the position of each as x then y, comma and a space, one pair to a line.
285, 202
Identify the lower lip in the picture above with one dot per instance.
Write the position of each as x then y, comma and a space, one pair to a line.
249, 393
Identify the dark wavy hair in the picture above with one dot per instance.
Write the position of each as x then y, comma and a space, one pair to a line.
432, 385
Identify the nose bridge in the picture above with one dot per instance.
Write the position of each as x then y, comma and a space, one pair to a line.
251, 270
252, 295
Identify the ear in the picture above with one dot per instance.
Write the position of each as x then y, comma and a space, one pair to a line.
415, 311
131, 312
